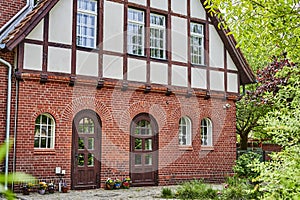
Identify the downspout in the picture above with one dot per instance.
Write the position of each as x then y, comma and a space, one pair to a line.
8, 106
15, 16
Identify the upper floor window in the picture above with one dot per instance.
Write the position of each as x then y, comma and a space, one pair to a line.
86, 23
185, 131
206, 132
197, 44
135, 32
44, 131
157, 36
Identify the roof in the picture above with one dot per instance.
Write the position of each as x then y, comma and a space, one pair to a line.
44, 6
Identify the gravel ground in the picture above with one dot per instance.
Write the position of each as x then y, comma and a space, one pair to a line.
134, 193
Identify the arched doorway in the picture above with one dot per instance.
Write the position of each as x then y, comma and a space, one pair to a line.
144, 150
86, 150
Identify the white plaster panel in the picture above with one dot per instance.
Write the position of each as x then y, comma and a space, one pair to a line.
59, 60
179, 39
232, 82
179, 6
60, 22
217, 81
113, 26
199, 79
179, 76
197, 10
230, 63
33, 56
141, 2
37, 32
159, 4
112, 67
86, 63
136, 70
159, 73
216, 48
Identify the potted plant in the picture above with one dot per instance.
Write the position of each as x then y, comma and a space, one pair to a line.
109, 184
126, 183
26, 188
42, 187
51, 187
64, 187
118, 184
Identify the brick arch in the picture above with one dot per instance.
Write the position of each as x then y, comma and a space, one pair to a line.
48, 110
83, 103
191, 112
157, 111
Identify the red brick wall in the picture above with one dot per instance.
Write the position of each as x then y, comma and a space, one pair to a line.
116, 109
9, 8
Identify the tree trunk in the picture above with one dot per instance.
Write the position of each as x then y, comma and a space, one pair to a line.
244, 141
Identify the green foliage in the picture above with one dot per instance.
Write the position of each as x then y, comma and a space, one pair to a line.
263, 28
280, 178
16, 177
196, 190
239, 189
244, 165
166, 193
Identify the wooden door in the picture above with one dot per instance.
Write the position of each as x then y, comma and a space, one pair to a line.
144, 151
86, 150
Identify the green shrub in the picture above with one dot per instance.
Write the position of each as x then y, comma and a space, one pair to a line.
244, 165
239, 189
166, 193
195, 190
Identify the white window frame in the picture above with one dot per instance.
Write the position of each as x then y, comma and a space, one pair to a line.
206, 132
133, 47
197, 48
81, 37
157, 44
185, 131
41, 131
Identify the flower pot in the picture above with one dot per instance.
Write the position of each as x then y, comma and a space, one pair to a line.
64, 189
42, 191
26, 191
126, 184
51, 190
118, 185
110, 186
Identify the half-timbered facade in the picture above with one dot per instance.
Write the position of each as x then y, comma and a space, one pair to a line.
116, 88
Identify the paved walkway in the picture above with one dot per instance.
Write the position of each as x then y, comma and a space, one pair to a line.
134, 193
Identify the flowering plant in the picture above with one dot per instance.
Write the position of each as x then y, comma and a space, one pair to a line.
110, 181
42, 185
28, 185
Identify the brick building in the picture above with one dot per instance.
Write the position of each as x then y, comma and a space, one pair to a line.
116, 88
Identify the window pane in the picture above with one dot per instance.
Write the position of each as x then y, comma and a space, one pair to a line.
137, 159
91, 144
80, 143
138, 144
90, 159
148, 144
44, 132
80, 160
148, 159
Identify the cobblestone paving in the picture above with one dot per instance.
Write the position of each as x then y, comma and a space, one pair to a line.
134, 193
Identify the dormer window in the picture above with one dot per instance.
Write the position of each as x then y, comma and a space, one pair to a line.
86, 23
197, 44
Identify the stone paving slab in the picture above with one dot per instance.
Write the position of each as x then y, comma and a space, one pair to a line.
134, 193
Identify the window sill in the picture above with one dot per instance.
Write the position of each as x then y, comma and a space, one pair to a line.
186, 148
207, 148
44, 152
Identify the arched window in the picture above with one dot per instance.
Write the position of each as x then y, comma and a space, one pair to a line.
185, 131
206, 132
44, 131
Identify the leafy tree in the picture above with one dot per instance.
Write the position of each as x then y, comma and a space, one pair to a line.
262, 27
